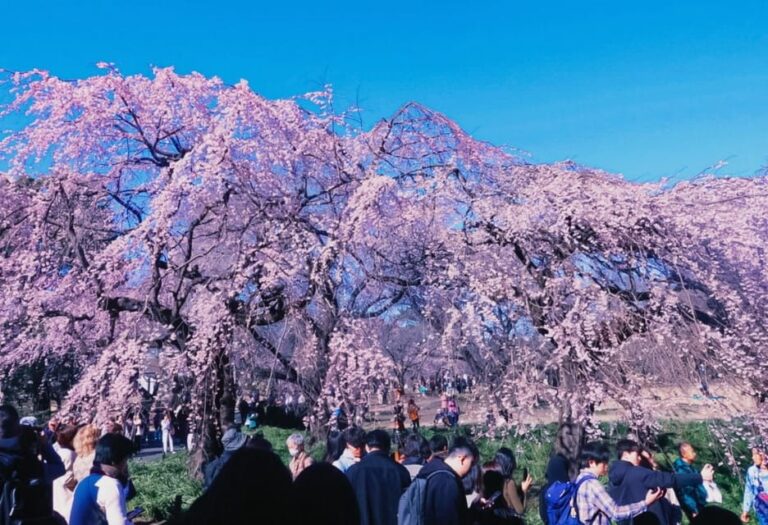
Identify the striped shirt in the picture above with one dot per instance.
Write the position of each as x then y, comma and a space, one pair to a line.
596, 506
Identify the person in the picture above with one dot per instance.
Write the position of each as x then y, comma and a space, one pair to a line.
453, 412
415, 452
438, 446
254, 487
756, 489
243, 409
166, 428
138, 430
354, 450
514, 496
64, 486
563, 463
232, 441
629, 482
23, 474
299, 457
491, 508
593, 503
378, 481
413, 414
101, 497
693, 498
322, 495
444, 499
157, 420
334, 446
84, 444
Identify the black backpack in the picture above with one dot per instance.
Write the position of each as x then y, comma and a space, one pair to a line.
25, 497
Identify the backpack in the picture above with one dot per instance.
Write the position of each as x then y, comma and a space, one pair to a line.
560, 500
25, 497
410, 509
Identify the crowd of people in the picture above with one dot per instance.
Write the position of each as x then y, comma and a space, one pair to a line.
79, 475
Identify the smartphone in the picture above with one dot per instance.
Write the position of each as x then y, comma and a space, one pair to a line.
525, 473
138, 511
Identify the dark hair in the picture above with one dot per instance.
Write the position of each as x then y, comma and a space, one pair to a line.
113, 449
9, 421
378, 439
626, 446
65, 435
414, 446
596, 451
493, 482
334, 446
714, 515
471, 481
251, 479
506, 460
354, 436
438, 443
646, 518
322, 495
465, 444
258, 442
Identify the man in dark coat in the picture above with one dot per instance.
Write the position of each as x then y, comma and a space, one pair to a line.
232, 441
629, 482
378, 481
445, 502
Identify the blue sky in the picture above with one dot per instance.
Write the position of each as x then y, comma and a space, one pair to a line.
647, 89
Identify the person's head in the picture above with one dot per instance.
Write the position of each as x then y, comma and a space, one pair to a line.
493, 481
714, 515
506, 460
687, 452
568, 441
460, 458
646, 460
113, 450
411, 402
472, 481
259, 442
334, 446
65, 436
315, 487
85, 440
594, 457
646, 518
252, 481
629, 451
295, 444
233, 440
758, 457
414, 446
378, 440
438, 444
9, 422
354, 437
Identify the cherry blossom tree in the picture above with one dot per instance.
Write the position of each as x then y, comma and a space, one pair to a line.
277, 239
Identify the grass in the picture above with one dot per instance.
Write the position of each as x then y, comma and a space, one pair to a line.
159, 483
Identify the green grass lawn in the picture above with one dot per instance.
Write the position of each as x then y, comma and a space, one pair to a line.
159, 483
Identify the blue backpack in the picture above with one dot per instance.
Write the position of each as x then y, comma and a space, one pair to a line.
560, 499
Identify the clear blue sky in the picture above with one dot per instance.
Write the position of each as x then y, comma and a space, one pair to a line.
647, 89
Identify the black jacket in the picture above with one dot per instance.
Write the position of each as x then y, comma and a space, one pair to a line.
445, 502
629, 484
378, 482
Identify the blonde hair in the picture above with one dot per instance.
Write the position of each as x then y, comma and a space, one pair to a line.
85, 440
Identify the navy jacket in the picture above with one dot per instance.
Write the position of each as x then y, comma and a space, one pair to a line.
378, 482
629, 484
445, 502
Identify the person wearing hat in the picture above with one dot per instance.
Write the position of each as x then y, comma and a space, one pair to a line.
232, 441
